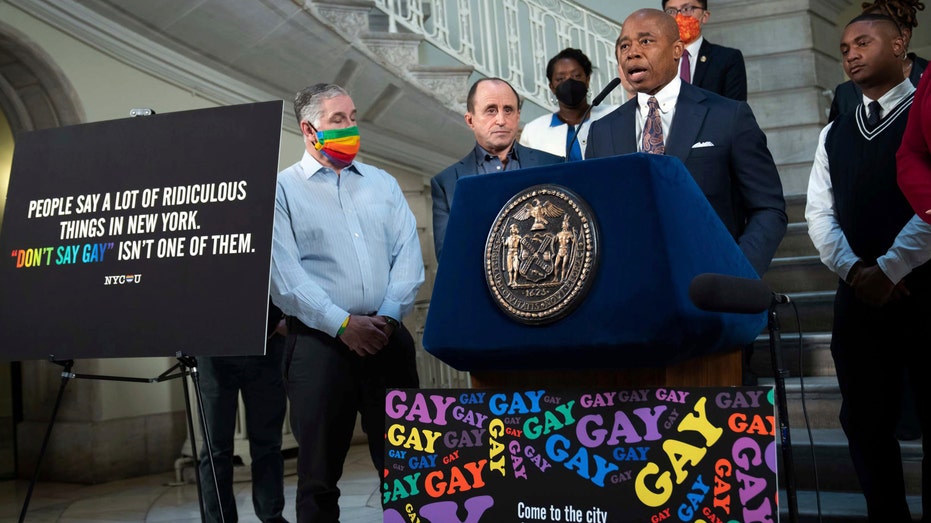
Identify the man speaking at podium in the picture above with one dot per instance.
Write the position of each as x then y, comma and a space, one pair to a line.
493, 114
716, 138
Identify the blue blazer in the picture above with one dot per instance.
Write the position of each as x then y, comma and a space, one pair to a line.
721, 70
443, 185
725, 151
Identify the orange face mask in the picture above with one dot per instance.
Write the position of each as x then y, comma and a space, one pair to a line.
689, 28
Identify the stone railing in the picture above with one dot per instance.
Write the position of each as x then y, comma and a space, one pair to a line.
511, 39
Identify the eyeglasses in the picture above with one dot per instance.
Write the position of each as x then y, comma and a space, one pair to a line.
686, 10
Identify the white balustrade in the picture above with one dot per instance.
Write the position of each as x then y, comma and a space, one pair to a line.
512, 39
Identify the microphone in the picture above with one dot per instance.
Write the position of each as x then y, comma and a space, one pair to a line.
598, 99
723, 293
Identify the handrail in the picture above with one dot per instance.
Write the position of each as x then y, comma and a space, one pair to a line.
512, 39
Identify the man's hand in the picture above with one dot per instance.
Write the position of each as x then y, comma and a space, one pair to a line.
390, 326
281, 328
873, 287
365, 335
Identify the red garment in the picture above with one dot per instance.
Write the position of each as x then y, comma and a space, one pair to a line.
913, 159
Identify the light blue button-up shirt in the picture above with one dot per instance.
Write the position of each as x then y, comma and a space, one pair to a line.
343, 245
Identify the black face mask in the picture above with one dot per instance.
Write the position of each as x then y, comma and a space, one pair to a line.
571, 92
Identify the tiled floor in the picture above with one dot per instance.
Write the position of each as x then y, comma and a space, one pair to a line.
157, 499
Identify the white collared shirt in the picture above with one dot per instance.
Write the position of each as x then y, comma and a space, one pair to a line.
891, 98
541, 133
693, 49
666, 98
912, 246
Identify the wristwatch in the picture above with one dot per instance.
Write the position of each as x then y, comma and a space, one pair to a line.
391, 321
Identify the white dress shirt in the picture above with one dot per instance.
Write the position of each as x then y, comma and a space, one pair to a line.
549, 133
666, 98
693, 49
912, 246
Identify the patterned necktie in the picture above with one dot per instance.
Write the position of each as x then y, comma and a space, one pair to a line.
872, 116
686, 72
653, 130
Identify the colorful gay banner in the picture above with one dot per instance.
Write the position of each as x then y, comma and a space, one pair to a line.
694, 455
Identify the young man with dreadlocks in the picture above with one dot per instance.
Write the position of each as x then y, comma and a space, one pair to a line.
867, 233
847, 95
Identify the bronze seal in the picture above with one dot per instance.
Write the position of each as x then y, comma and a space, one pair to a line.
541, 254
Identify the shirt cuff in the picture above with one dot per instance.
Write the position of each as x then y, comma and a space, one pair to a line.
333, 320
843, 269
390, 309
894, 269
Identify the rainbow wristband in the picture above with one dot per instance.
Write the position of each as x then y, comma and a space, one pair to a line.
342, 328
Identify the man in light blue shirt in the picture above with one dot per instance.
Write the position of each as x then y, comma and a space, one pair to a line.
346, 266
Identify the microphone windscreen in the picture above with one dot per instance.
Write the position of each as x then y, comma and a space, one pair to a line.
723, 293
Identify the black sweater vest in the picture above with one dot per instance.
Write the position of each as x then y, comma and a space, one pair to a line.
868, 204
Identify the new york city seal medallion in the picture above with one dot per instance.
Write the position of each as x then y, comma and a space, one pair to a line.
541, 254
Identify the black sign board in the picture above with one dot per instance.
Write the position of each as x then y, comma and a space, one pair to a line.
145, 236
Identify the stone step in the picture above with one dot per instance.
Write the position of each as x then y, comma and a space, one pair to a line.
812, 402
400, 51
349, 17
835, 507
823, 471
448, 83
796, 242
379, 20
822, 461
809, 311
403, 50
814, 355
788, 275
795, 207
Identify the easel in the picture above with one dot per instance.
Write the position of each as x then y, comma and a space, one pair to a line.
68, 261
187, 365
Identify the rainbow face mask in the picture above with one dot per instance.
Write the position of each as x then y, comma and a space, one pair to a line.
340, 146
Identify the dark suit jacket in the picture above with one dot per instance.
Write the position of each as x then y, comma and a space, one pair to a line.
721, 70
847, 96
443, 185
733, 167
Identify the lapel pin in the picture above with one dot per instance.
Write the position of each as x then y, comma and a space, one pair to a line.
704, 58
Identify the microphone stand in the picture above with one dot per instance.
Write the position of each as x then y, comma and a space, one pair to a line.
598, 99
779, 373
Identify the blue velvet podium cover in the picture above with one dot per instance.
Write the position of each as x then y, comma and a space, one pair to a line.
657, 232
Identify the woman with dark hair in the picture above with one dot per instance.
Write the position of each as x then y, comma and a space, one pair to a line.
569, 74
847, 96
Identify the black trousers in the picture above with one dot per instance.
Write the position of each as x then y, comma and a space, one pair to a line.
260, 380
873, 349
327, 385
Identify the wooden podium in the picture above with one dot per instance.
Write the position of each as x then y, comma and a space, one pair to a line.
715, 370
